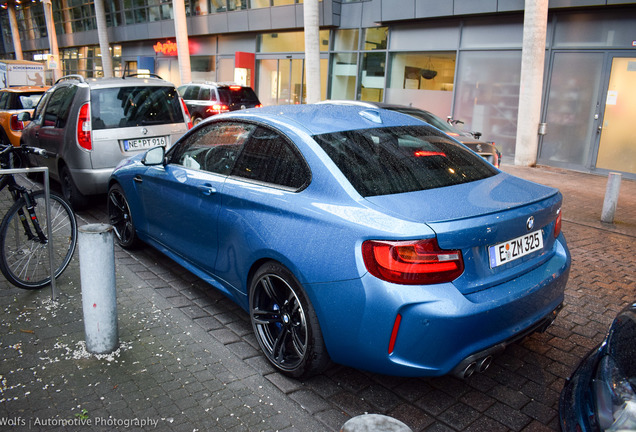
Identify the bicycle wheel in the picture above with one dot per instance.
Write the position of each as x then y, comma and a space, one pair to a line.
24, 258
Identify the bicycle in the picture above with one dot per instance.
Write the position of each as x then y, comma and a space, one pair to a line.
24, 249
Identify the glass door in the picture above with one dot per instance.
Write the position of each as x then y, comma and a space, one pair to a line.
617, 148
572, 109
281, 81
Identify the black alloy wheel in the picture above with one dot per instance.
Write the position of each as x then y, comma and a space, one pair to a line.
120, 218
285, 323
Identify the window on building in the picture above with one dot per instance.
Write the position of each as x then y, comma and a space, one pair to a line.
289, 42
346, 40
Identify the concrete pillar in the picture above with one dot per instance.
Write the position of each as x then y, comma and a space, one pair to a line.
183, 50
535, 24
50, 30
97, 277
15, 32
312, 49
102, 34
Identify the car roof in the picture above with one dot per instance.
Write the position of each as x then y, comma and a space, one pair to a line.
318, 118
22, 89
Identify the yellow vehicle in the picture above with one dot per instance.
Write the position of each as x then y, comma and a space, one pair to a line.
14, 100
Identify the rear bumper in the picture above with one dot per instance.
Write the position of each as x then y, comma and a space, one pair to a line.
440, 328
91, 181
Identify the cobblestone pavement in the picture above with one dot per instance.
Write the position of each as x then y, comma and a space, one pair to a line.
188, 360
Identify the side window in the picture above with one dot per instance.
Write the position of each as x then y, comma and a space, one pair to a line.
213, 148
268, 157
39, 109
58, 108
204, 94
191, 92
4, 100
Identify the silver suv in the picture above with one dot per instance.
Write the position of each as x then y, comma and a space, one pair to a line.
87, 126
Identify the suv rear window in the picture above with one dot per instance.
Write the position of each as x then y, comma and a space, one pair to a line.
242, 95
394, 160
135, 106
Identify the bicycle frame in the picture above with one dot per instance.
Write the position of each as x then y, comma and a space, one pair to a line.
7, 180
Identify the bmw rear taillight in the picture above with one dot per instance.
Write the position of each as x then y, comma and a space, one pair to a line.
557, 223
84, 127
15, 124
416, 262
187, 113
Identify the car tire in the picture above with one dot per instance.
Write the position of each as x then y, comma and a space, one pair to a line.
285, 323
196, 120
121, 219
70, 191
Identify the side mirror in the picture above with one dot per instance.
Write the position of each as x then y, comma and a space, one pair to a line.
477, 135
154, 156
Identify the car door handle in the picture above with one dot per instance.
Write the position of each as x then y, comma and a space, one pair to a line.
207, 189
137, 179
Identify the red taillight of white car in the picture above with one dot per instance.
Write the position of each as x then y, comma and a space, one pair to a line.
84, 127
416, 262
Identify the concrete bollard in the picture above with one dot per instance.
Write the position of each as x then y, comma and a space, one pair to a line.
97, 276
611, 197
374, 423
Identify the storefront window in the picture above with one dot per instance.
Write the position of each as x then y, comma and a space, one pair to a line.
372, 77
487, 95
203, 68
344, 68
422, 71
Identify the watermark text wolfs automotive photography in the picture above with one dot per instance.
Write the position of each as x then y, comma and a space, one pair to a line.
37, 422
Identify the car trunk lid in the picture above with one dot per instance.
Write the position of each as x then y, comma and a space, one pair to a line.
472, 217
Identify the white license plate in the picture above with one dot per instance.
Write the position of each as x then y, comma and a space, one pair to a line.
142, 143
511, 250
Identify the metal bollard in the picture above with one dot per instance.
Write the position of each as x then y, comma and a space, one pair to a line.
374, 423
611, 197
99, 299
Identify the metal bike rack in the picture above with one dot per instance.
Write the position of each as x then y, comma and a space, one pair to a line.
47, 200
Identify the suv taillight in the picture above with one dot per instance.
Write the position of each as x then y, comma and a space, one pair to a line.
15, 124
218, 109
413, 262
84, 127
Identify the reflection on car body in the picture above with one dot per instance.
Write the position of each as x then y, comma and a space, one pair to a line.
352, 234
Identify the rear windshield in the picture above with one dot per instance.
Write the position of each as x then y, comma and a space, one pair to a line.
135, 106
394, 160
242, 95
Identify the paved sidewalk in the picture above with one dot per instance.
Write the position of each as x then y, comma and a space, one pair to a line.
188, 360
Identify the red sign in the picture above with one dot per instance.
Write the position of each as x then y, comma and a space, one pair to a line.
166, 48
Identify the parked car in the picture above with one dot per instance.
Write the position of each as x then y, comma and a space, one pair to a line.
13, 101
485, 149
86, 126
601, 394
353, 234
210, 98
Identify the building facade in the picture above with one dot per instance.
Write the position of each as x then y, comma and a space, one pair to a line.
459, 58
